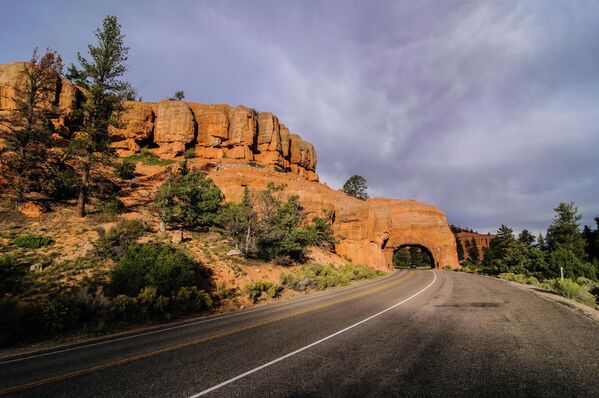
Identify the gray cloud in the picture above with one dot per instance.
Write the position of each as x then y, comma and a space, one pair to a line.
488, 110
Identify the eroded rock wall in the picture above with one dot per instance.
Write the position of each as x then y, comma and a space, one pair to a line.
217, 131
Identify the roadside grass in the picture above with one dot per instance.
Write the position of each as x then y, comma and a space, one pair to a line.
319, 277
579, 290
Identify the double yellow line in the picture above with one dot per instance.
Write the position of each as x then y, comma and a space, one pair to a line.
202, 340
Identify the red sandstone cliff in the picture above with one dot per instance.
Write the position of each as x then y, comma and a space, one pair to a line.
368, 231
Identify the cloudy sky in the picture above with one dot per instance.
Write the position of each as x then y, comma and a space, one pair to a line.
489, 110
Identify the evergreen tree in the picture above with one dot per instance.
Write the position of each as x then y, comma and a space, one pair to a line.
100, 76
357, 187
188, 201
526, 238
460, 248
564, 232
591, 238
473, 252
27, 133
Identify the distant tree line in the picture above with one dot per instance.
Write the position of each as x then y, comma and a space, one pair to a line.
563, 246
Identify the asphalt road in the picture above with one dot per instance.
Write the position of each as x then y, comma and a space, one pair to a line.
414, 333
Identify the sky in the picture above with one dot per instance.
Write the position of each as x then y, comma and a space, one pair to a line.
487, 109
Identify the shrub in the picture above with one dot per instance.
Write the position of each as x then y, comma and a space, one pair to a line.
573, 290
163, 267
257, 289
113, 243
62, 182
11, 275
32, 241
317, 276
188, 201
149, 158
125, 169
191, 299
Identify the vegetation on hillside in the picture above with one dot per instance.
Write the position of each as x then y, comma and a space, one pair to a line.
564, 249
26, 159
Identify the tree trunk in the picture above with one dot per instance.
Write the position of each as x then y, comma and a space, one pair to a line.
83, 192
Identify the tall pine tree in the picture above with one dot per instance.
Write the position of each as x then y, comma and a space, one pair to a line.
101, 77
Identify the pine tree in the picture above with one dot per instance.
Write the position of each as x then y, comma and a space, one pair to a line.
27, 131
460, 249
473, 252
526, 238
100, 76
564, 232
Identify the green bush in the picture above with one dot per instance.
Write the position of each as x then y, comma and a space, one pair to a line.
149, 158
113, 243
189, 201
12, 275
191, 299
61, 182
317, 276
573, 290
260, 288
22, 321
148, 304
31, 241
125, 169
163, 267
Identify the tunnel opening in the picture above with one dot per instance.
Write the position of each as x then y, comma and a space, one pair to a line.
412, 256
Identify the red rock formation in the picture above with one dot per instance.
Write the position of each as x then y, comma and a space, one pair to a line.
368, 231
483, 241
216, 131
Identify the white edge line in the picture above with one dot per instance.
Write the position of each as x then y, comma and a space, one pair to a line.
198, 322
249, 372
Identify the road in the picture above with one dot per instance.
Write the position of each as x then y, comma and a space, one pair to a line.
413, 333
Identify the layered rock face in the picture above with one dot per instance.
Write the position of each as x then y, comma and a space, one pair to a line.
215, 131
482, 241
369, 231
63, 104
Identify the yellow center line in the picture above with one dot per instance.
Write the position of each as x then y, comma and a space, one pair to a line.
202, 340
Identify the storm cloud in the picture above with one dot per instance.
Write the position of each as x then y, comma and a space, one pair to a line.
488, 110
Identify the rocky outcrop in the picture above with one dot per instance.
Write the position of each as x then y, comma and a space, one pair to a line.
482, 242
215, 131
369, 232
174, 128
137, 125
62, 104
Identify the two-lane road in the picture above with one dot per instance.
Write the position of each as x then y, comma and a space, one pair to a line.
414, 333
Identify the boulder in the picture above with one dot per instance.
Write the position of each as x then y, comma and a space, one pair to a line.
174, 127
137, 122
213, 123
284, 133
243, 127
302, 153
30, 209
